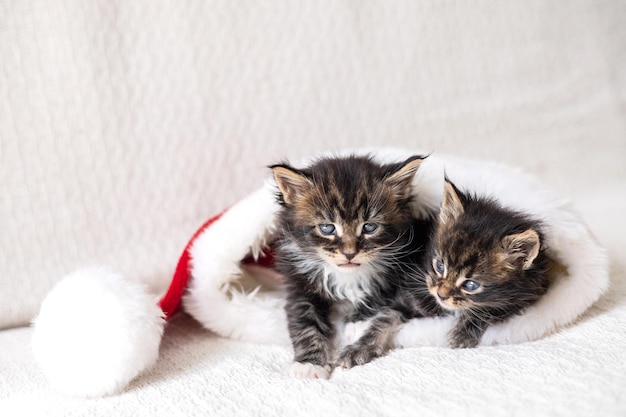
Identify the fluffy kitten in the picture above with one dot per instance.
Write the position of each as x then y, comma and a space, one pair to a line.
349, 241
487, 263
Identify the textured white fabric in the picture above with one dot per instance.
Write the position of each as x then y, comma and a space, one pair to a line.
125, 125
579, 372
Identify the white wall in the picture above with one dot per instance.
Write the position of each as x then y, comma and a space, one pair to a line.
124, 125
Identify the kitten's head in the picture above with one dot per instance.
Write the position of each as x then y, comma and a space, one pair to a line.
347, 211
480, 254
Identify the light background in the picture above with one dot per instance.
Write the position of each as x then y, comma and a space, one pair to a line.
124, 125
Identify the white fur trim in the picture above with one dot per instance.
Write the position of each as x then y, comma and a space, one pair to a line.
216, 296
257, 316
96, 332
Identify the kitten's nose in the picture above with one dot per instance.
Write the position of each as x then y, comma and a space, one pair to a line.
349, 255
443, 297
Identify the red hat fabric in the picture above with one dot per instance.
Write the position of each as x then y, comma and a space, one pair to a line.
170, 302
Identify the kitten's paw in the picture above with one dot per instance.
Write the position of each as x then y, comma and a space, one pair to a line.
355, 355
306, 370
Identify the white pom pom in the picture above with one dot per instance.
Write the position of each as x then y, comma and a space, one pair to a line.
96, 332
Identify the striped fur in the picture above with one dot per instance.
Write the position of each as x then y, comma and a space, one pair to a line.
485, 263
349, 241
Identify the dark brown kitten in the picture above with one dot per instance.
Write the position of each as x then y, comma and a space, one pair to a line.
487, 263
349, 242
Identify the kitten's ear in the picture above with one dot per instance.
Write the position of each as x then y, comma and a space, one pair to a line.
400, 180
451, 207
290, 182
522, 247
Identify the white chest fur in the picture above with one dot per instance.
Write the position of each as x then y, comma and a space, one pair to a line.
353, 285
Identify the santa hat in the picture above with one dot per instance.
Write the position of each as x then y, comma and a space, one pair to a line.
96, 330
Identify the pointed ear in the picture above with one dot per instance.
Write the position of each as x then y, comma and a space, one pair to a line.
522, 247
291, 182
451, 207
400, 180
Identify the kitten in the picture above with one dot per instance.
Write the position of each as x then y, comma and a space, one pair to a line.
487, 263
348, 242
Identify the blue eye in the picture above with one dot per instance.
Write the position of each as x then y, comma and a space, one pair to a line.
327, 228
469, 285
439, 267
369, 228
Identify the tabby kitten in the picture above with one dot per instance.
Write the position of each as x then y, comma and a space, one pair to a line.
487, 263
348, 243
